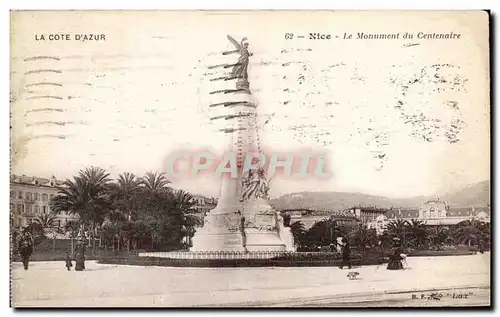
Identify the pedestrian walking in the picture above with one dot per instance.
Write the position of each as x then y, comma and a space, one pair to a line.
69, 261
346, 256
25, 247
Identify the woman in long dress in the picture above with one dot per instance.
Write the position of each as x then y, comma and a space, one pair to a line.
80, 256
395, 262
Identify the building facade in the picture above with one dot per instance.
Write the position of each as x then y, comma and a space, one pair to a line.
309, 217
379, 224
366, 214
30, 200
432, 213
433, 209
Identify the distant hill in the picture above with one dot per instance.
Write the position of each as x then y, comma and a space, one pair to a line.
473, 195
477, 194
340, 200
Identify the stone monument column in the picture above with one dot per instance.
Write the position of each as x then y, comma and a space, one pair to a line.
243, 220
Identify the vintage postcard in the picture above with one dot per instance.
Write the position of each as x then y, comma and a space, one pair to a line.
250, 159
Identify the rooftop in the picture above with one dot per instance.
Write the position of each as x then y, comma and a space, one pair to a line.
402, 213
435, 201
318, 212
38, 181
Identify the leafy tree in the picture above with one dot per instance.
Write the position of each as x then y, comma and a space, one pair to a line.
126, 197
471, 232
72, 228
129, 210
37, 232
112, 227
438, 235
298, 232
323, 233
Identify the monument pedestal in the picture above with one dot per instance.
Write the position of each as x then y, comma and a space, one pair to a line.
219, 233
222, 228
229, 241
259, 240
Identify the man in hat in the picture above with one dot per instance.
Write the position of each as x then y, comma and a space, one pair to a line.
346, 255
25, 247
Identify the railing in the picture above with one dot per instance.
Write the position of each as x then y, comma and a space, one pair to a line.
236, 255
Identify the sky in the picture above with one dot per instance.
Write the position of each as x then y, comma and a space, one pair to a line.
398, 118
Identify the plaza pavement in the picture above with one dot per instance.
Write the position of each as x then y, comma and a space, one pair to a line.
48, 284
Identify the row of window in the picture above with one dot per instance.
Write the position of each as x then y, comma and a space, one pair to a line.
433, 214
28, 221
31, 196
22, 208
380, 225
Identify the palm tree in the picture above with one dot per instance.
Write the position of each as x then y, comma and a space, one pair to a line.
73, 198
438, 235
126, 191
398, 229
417, 232
86, 196
184, 203
98, 182
125, 194
155, 183
47, 222
96, 177
169, 214
184, 200
364, 237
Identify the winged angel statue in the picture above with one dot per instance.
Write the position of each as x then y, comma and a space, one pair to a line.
240, 70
